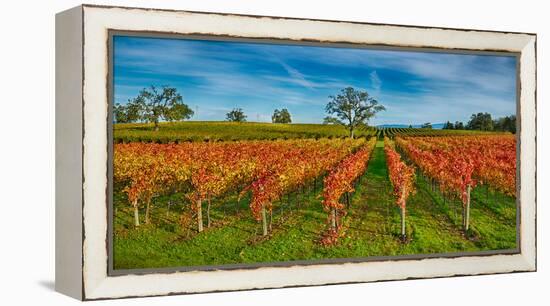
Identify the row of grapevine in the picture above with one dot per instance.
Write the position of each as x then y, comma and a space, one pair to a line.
493, 157
458, 164
451, 169
289, 172
391, 132
203, 171
340, 180
402, 178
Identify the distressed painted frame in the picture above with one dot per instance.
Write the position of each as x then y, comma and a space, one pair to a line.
83, 137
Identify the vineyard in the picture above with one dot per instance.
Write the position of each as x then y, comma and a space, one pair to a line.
203, 131
190, 131
393, 132
295, 196
456, 165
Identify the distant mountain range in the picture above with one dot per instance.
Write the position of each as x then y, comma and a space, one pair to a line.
436, 126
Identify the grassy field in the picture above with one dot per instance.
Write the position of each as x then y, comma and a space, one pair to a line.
371, 227
229, 131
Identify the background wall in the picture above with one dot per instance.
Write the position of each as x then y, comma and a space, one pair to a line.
27, 152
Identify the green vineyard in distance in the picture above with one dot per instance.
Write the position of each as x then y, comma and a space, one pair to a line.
232, 131
392, 132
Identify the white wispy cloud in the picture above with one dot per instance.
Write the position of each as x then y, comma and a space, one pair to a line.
297, 76
375, 82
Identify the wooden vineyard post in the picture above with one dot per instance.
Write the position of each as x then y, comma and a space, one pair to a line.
333, 218
264, 221
271, 220
208, 213
168, 209
403, 228
199, 216
467, 212
136, 213
148, 207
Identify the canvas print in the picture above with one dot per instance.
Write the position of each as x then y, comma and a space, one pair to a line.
228, 153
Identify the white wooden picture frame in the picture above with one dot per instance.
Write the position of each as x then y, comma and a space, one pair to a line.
82, 137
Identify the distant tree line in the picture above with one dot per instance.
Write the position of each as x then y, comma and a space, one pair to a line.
236, 115
281, 116
351, 108
458, 125
484, 122
152, 105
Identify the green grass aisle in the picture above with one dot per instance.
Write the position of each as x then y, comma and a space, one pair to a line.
233, 239
374, 222
370, 219
492, 218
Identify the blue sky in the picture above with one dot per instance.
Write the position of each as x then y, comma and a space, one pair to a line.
215, 76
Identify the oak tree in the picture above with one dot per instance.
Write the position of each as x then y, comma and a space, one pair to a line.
352, 108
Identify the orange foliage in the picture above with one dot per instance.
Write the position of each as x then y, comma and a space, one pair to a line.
401, 175
205, 170
459, 161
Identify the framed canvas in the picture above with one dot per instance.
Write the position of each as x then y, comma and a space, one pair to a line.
201, 152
